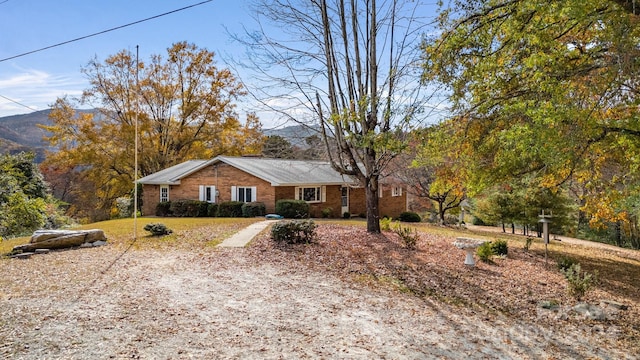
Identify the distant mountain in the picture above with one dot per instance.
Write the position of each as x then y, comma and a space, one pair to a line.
21, 133
296, 134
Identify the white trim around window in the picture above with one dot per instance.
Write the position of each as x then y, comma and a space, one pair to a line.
396, 191
207, 193
244, 193
311, 194
164, 193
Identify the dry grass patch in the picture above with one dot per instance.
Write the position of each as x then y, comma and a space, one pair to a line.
188, 233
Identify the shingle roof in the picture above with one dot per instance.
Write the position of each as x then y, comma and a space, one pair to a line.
278, 172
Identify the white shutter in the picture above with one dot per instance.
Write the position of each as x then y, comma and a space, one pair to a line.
213, 194
323, 194
254, 194
297, 194
234, 193
202, 193
399, 191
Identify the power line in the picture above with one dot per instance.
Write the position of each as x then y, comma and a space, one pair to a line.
104, 31
15, 102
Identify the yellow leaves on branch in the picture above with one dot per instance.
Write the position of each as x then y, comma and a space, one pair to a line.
182, 104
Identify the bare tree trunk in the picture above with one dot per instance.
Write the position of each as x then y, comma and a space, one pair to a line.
335, 57
373, 210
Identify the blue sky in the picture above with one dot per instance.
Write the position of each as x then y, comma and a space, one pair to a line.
37, 79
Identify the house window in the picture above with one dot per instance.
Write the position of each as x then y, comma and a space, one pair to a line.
396, 191
208, 193
244, 193
310, 194
164, 193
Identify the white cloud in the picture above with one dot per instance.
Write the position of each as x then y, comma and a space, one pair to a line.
35, 90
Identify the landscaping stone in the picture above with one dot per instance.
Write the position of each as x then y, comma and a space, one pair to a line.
615, 305
590, 311
60, 239
25, 255
549, 305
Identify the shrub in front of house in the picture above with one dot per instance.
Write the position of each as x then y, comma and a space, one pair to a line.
212, 209
163, 209
294, 231
409, 216
499, 247
188, 208
254, 209
203, 209
292, 209
485, 252
157, 229
178, 208
230, 209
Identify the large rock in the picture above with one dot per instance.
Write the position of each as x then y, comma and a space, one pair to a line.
60, 239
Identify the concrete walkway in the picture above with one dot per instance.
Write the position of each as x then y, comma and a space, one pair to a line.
242, 237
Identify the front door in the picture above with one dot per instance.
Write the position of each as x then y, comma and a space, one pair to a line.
345, 200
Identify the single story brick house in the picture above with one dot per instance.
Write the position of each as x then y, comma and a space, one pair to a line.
255, 179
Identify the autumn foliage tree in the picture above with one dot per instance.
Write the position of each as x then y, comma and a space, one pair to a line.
545, 88
182, 103
431, 170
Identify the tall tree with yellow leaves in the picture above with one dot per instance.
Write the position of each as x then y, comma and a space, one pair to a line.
183, 105
545, 88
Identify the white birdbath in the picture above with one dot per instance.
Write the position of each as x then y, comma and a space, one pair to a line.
469, 245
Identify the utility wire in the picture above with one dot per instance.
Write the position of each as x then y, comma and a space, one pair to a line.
15, 102
104, 31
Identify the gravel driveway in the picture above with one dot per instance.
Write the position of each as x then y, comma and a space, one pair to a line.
102, 304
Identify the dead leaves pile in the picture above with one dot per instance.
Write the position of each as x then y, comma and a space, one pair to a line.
513, 286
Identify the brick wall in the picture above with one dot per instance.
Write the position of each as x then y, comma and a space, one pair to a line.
357, 201
333, 200
388, 205
150, 198
223, 178
392, 206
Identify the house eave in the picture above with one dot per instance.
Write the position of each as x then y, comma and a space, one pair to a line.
160, 182
313, 184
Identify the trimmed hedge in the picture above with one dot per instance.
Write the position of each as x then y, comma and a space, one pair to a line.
212, 210
188, 208
163, 209
254, 209
293, 231
409, 216
183, 208
292, 209
230, 209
